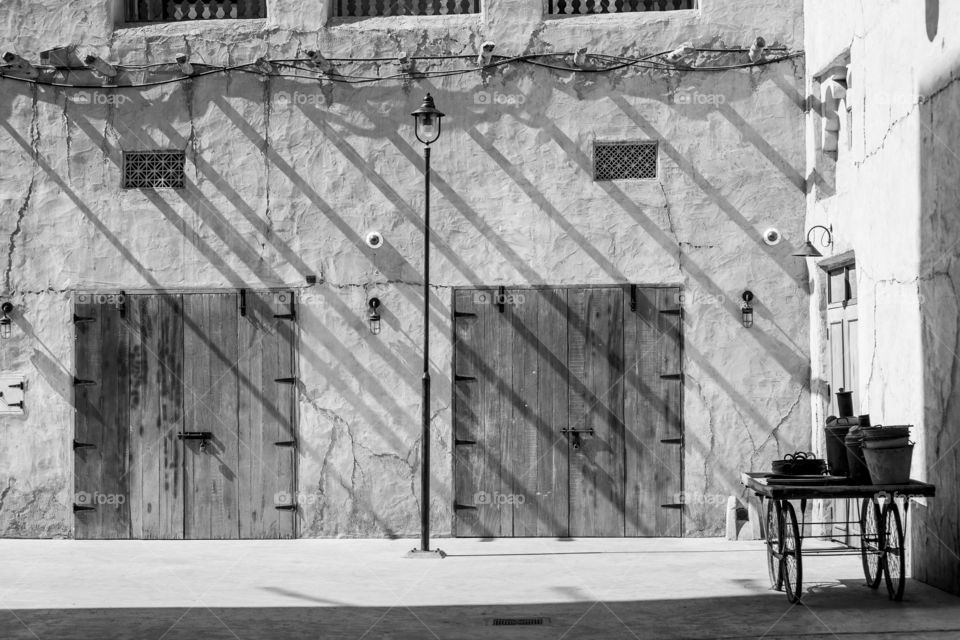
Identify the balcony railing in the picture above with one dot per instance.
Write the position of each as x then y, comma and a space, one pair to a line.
584, 7
369, 8
182, 10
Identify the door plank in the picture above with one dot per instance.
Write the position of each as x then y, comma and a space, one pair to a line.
156, 415
520, 456
89, 420
211, 507
266, 416
597, 467
103, 420
654, 475
495, 413
552, 464
468, 449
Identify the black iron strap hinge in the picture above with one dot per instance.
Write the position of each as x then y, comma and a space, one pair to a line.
83, 445
79, 382
285, 380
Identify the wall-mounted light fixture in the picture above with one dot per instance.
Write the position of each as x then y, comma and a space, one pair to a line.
100, 67
18, 65
746, 310
373, 315
810, 251
264, 66
5, 322
485, 57
186, 68
756, 50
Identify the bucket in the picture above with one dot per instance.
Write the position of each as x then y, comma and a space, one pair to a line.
886, 443
837, 450
856, 465
889, 466
845, 403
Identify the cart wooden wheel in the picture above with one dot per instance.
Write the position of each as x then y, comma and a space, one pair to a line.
893, 553
871, 542
790, 550
774, 533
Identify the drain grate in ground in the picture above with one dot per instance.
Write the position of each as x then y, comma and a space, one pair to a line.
519, 622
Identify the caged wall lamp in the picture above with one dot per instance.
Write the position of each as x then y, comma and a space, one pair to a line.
373, 315
810, 251
6, 323
746, 310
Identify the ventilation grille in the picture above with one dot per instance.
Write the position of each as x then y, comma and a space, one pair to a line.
153, 169
625, 161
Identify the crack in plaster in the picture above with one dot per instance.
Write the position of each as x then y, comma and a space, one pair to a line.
22, 211
774, 432
672, 227
266, 155
898, 121
3, 494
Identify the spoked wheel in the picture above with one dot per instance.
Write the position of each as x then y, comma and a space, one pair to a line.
871, 542
893, 553
790, 550
774, 533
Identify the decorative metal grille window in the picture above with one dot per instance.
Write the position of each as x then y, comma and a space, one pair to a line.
177, 10
624, 160
583, 7
153, 169
369, 8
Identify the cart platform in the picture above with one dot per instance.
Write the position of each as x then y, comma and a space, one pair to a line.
881, 526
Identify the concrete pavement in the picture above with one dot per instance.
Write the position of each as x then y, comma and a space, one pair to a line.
351, 589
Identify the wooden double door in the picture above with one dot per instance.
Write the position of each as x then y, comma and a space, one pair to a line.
567, 411
185, 409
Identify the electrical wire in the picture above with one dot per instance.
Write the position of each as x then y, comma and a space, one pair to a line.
651, 61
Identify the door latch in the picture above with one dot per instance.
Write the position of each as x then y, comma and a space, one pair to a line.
202, 436
574, 434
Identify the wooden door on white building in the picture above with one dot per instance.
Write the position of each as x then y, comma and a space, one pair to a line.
185, 413
567, 411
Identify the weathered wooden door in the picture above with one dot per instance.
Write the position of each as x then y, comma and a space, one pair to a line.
842, 326
567, 412
185, 415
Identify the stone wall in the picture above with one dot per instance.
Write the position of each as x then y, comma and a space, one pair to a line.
285, 177
894, 204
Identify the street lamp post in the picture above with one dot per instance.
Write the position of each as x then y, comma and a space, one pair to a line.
427, 129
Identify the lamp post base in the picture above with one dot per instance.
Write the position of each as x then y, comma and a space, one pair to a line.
432, 554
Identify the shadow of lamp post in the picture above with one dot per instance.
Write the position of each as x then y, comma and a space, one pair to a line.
427, 129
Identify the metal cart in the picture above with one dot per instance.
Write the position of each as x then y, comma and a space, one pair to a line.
880, 529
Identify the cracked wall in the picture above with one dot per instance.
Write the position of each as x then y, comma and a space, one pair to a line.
285, 178
894, 207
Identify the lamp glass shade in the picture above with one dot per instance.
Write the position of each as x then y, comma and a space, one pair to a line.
427, 121
808, 251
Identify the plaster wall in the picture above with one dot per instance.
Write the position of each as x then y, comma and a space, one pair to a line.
894, 187
285, 177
